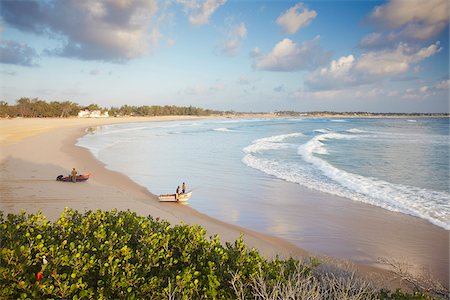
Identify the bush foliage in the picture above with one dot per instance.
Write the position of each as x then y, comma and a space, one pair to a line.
37, 108
120, 255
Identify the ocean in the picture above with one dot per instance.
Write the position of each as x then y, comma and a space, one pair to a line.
257, 173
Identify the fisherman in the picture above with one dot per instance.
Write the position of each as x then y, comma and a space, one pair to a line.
74, 175
177, 194
183, 188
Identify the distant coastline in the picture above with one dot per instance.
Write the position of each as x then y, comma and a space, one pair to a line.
326, 114
275, 115
358, 114
36, 108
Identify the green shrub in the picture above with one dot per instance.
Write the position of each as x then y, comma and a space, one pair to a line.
120, 255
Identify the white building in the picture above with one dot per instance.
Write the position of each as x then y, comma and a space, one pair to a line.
92, 114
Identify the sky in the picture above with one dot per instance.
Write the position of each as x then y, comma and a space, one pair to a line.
248, 55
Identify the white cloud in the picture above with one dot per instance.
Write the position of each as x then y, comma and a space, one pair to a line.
378, 40
397, 13
288, 56
418, 93
235, 37
375, 98
200, 11
393, 62
369, 67
339, 74
407, 20
295, 18
256, 52
434, 90
443, 85
424, 89
338, 68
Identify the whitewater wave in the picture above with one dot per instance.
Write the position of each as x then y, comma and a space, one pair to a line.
271, 143
356, 130
109, 130
96, 148
326, 130
318, 174
279, 138
251, 120
338, 120
315, 145
222, 129
410, 200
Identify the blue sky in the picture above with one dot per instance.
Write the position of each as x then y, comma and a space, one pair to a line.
379, 56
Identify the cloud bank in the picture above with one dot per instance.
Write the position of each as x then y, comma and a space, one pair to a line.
370, 67
235, 37
287, 56
91, 30
200, 11
114, 30
295, 18
15, 53
407, 21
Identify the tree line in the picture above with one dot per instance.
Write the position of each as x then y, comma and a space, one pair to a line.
291, 113
37, 108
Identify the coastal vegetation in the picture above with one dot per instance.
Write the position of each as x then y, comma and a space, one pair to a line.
37, 108
355, 114
120, 255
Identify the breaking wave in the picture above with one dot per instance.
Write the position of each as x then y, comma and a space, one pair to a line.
316, 173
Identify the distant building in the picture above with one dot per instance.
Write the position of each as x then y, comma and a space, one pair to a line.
92, 114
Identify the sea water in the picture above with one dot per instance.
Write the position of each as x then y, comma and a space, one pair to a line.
250, 172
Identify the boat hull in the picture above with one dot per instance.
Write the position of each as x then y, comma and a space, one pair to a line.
172, 198
69, 178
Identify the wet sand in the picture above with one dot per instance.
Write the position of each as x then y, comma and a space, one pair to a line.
35, 151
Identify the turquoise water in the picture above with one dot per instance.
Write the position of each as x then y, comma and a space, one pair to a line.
303, 179
399, 164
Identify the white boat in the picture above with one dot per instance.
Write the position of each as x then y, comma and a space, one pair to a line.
171, 197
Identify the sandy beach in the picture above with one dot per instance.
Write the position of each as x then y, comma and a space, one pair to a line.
35, 151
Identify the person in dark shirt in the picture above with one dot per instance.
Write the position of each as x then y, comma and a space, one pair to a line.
177, 193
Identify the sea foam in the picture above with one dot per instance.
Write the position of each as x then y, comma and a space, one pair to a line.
357, 130
410, 200
271, 143
223, 129
318, 174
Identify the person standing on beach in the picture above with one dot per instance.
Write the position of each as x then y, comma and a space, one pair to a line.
183, 188
74, 175
177, 193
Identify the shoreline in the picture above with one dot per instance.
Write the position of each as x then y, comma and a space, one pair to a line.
19, 171
28, 184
